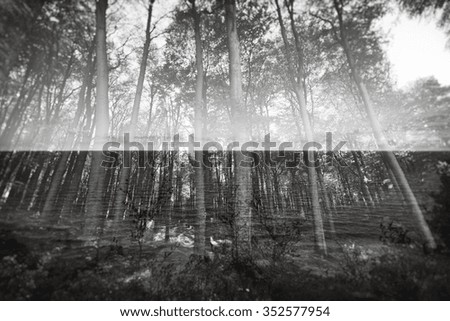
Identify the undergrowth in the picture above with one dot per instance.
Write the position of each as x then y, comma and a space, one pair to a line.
389, 273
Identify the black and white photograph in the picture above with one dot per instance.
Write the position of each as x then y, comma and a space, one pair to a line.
225, 150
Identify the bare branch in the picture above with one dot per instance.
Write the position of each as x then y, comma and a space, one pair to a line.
328, 21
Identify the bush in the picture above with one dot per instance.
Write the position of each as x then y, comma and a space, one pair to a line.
393, 232
441, 221
18, 279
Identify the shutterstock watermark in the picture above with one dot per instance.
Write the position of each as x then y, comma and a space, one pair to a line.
248, 154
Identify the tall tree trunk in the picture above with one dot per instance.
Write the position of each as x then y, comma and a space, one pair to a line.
242, 208
68, 144
94, 206
382, 142
24, 100
120, 201
298, 88
76, 174
199, 244
142, 70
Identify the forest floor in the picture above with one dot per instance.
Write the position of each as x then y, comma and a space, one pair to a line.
353, 270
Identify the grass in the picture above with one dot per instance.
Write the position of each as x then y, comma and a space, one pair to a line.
351, 272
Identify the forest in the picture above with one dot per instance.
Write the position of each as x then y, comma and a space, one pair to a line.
219, 150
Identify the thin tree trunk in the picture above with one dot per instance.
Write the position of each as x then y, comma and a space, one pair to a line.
382, 143
77, 172
364, 187
142, 70
62, 164
299, 91
120, 203
326, 202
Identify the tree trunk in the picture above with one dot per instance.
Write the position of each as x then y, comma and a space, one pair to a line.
365, 189
76, 174
242, 208
381, 140
298, 88
62, 164
326, 202
94, 206
120, 200
199, 244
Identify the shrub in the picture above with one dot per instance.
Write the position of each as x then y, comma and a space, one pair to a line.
441, 221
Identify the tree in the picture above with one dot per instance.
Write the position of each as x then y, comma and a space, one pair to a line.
381, 140
297, 85
419, 7
423, 113
198, 127
120, 203
62, 166
95, 202
18, 18
242, 208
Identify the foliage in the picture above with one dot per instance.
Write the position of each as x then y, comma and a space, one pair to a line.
391, 273
393, 232
382, 272
18, 281
356, 264
420, 7
441, 221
